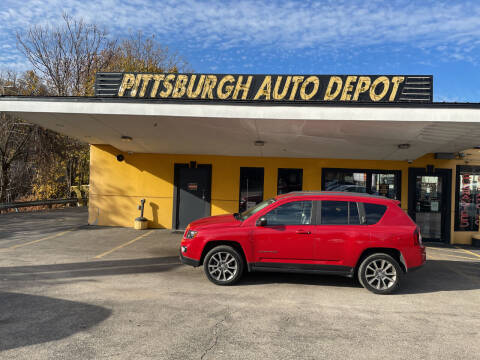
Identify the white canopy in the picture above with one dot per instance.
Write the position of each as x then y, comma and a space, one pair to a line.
353, 132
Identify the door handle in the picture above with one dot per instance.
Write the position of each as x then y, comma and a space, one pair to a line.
303, 232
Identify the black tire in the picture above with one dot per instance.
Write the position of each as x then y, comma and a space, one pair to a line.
223, 265
380, 273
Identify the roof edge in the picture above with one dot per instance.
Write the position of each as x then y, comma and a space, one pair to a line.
463, 105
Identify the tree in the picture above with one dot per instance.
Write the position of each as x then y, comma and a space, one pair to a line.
138, 53
66, 56
65, 59
16, 138
34, 160
62, 162
144, 54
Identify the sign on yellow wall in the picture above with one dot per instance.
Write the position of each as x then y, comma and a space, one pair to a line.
272, 88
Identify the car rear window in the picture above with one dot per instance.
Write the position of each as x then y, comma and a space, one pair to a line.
373, 212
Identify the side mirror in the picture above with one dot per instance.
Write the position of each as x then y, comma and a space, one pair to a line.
262, 221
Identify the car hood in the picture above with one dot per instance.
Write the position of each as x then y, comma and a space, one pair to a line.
211, 221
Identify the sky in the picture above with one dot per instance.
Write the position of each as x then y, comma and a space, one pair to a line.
428, 37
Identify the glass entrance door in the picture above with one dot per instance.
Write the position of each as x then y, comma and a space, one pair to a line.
430, 203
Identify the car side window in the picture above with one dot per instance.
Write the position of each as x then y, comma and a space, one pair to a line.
292, 213
373, 212
334, 213
339, 213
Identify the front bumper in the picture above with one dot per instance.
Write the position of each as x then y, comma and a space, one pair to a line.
189, 261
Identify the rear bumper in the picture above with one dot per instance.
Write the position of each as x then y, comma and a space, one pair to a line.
189, 261
419, 259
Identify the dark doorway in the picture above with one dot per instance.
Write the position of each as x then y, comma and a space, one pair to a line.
251, 187
289, 180
192, 193
429, 202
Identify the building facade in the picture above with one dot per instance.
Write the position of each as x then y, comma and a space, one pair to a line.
179, 188
199, 145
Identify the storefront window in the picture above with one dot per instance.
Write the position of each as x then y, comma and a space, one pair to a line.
377, 182
344, 180
289, 180
383, 185
251, 187
467, 212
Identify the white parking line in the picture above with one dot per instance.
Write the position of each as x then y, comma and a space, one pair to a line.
468, 252
454, 256
123, 245
455, 251
37, 241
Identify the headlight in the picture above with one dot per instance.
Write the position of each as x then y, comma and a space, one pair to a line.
191, 234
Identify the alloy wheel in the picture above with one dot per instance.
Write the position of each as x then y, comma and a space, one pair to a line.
381, 274
222, 266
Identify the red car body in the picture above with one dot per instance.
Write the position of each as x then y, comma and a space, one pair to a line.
314, 247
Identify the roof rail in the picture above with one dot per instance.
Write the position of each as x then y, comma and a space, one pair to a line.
332, 193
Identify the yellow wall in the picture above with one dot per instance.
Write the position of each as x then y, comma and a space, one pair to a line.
117, 187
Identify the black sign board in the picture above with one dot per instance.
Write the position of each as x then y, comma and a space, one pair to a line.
271, 88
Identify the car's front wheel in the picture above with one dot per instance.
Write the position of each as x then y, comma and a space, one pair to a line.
223, 265
380, 273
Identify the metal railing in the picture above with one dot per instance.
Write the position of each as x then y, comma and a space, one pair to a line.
40, 203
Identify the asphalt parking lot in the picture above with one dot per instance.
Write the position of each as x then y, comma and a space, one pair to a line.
72, 291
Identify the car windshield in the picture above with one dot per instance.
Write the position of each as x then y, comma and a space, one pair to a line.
247, 213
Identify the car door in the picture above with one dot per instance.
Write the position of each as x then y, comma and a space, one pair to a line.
287, 233
338, 225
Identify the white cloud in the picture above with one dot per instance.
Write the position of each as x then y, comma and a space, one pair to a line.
450, 28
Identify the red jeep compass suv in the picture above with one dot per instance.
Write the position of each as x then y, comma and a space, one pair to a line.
310, 232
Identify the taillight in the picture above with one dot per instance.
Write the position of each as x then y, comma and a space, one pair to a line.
417, 238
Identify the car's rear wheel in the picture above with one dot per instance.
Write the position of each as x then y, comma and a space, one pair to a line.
380, 273
223, 265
